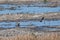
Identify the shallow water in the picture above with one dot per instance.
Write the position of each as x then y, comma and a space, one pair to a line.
41, 25
31, 9
25, 9
30, 23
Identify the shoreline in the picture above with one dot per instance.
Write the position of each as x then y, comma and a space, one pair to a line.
49, 4
29, 17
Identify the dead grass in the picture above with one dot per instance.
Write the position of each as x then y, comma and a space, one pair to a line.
47, 36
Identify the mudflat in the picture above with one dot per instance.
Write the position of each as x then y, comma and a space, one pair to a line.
20, 17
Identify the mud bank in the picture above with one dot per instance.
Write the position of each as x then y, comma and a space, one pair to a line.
36, 17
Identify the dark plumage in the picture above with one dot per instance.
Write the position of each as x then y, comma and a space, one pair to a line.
18, 24
42, 19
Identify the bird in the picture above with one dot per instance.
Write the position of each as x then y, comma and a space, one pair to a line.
42, 19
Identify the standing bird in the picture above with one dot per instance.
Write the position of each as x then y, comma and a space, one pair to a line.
42, 19
18, 25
